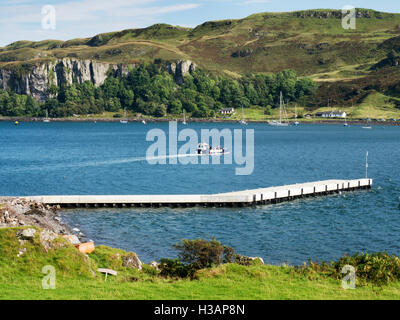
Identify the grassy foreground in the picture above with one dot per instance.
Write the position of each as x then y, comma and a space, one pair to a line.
21, 278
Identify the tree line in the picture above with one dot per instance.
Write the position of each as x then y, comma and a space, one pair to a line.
150, 90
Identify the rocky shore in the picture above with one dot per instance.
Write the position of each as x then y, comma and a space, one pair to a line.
16, 212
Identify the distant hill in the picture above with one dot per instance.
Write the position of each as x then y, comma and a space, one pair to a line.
311, 42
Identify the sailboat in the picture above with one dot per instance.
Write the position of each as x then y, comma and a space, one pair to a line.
279, 123
367, 126
296, 123
144, 121
124, 121
243, 121
184, 118
345, 122
47, 117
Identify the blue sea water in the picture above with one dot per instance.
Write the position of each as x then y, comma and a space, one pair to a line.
107, 158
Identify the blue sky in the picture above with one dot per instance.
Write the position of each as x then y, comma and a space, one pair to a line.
21, 19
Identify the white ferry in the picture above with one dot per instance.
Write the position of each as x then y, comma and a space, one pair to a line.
205, 149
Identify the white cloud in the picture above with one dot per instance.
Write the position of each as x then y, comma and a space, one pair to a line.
80, 18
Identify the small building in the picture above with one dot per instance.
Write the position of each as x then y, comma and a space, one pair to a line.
227, 111
331, 114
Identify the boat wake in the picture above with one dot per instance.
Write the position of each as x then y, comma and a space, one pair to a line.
113, 162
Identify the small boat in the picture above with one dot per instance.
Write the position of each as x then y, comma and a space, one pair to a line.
16, 123
47, 117
345, 124
124, 121
279, 123
367, 126
144, 121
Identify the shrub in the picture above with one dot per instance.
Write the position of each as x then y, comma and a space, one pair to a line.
175, 268
202, 253
378, 268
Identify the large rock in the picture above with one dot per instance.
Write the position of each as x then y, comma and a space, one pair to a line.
180, 69
47, 238
73, 239
26, 234
131, 260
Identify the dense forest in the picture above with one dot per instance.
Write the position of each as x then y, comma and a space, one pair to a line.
150, 90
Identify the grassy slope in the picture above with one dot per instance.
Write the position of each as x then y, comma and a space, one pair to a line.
211, 44
21, 278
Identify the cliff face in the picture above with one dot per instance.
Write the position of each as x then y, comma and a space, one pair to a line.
40, 77
180, 68
37, 79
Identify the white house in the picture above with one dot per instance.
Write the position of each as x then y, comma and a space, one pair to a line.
227, 111
331, 114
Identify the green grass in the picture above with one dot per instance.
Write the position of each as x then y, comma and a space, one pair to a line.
376, 106
21, 278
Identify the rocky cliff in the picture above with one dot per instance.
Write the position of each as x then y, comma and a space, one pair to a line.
37, 78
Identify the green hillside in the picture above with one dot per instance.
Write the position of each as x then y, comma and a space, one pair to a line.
348, 65
310, 42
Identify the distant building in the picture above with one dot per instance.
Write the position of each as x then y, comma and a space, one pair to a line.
227, 111
331, 114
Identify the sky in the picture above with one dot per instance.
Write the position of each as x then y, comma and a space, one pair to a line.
23, 19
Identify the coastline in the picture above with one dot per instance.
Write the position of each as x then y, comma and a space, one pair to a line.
195, 120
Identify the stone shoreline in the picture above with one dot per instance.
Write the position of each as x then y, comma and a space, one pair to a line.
15, 212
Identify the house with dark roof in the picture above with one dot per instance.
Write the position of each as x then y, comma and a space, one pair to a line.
227, 111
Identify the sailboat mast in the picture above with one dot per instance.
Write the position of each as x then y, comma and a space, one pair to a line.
280, 109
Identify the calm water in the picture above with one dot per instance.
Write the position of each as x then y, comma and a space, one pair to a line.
106, 158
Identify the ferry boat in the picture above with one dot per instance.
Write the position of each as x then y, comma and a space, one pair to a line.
204, 149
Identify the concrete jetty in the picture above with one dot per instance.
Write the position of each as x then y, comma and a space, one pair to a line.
260, 196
